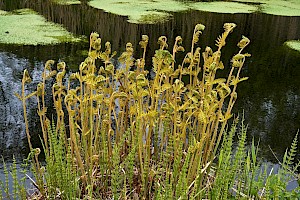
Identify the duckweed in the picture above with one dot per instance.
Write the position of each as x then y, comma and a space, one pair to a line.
140, 11
26, 27
67, 2
150, 11
293, 44
276, 7
224, 7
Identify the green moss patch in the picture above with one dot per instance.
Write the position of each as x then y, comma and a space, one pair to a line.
67, 2
26, 27
293, 44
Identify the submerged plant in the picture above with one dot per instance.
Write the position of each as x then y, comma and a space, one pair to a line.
130, 136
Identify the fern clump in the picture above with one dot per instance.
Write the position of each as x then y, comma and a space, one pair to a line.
130, 136
239, 174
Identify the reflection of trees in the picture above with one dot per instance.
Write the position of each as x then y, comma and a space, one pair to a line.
273, 117
12, 128
11, 4
270, 97
265, 31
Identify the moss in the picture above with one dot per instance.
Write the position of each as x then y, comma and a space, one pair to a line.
67, 2
26, 27
293, 44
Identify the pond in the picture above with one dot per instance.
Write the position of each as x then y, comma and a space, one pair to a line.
269, 100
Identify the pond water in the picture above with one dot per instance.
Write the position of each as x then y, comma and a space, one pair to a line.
270, 99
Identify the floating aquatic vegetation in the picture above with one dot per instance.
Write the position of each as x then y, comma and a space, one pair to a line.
151, 17
224, 7
293, 44
67, 2
151, 11
2, 12
280, 7
276, 7
140, 11
26, 27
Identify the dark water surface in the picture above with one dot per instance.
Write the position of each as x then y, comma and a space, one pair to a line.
270, 99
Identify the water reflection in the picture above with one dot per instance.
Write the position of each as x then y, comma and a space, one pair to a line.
270, 98
12, 128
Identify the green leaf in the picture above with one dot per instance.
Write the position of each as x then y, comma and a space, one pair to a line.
166, 86
120, 95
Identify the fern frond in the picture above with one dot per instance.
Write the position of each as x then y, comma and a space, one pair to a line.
292, 152
228, 27
220, 41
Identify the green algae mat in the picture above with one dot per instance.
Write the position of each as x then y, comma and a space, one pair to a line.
152, 11
140, 11
223, 7
276, 7
26, 27
293, 44
67, 2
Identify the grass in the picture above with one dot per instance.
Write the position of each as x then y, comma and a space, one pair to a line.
119, 133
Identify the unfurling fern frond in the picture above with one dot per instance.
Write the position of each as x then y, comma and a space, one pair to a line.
228, 27
220, 41
162, 41
243, 42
